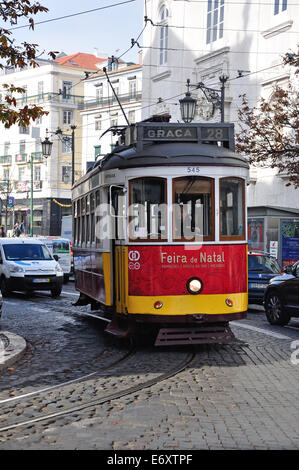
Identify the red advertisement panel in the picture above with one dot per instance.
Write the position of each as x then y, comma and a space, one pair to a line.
164, 270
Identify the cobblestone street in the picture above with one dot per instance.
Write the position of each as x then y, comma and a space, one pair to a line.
238, 396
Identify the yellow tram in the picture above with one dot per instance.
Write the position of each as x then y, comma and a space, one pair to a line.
159, 232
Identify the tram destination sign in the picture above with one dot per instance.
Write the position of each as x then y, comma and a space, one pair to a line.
170, 133
144, 132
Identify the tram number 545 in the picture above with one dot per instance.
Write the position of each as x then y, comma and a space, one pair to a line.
193, 170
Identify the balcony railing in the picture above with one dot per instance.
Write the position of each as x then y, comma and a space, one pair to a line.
25, 186
21, 158
37, 156
108, 101
5, 159
58, 98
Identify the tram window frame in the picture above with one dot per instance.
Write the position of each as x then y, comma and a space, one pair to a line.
239, 236
204, 238
98, 241
92, 218
148, 238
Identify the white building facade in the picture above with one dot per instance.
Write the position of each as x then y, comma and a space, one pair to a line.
243, 41
58, 90
101, 111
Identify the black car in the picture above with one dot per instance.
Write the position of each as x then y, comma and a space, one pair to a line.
261, 269
281, 300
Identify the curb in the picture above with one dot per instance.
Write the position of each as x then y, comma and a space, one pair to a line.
12, 347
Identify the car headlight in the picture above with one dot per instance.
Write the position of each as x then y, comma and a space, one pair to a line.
15, 269
194, 285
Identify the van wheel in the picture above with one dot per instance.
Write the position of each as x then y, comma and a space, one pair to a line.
56, 292
275, 312
4, 290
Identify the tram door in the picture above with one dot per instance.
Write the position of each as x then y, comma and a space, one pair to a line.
118, 205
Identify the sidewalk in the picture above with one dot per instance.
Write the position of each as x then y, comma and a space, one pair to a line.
12, 347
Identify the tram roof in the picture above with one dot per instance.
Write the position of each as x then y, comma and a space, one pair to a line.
167, 154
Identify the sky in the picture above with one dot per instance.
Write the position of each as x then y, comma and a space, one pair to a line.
109, 30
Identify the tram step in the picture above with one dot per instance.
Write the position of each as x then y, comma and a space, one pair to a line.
195, 335
115, 329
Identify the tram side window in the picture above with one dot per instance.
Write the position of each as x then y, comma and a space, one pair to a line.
92, 218
193, 208
148, 209
97, 218
232, 210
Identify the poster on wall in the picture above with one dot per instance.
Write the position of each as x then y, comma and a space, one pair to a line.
289, 230
256, 234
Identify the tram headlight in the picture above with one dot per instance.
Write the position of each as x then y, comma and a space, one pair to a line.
194, 285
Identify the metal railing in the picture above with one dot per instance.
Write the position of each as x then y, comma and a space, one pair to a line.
108, 101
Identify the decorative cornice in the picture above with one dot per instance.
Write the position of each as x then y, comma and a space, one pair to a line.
161, 76
280, 28
212, 55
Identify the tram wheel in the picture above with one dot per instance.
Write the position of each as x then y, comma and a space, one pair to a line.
275, 313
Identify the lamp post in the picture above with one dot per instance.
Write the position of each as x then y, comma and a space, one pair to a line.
46, 152
59, 132
187, 105
216, 97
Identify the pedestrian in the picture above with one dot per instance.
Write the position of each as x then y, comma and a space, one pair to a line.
16, 231
2, 233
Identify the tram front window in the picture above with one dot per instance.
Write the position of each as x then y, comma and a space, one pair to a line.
193, 210
232, 211
148, 209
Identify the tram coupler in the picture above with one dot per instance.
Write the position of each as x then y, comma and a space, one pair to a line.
203, 334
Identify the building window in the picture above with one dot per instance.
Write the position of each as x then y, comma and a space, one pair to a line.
66, 90
97, 124
66, 145
6, 174
97, 151
215, 20
24, 130
37, 173
40, 91
163, 35
113, 120
66, 174
132, 89
67, 117
6, 148
22, 146
131, 117
21, 173
279, 6
24, 94
99, 94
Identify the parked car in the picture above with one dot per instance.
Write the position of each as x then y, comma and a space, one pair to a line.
261, 269
26, 264
61, 247
281, 299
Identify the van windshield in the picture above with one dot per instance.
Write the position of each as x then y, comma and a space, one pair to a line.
22, 251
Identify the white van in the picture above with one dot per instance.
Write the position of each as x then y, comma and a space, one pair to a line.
63, 249
26, 264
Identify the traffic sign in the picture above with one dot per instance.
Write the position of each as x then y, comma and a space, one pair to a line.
28, 211
10, 201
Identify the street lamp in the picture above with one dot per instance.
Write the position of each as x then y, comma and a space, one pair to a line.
46, 147
188, 105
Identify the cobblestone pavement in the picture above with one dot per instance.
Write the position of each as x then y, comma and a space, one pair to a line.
238, 396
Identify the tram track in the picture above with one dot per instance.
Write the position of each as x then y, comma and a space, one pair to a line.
78, 407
